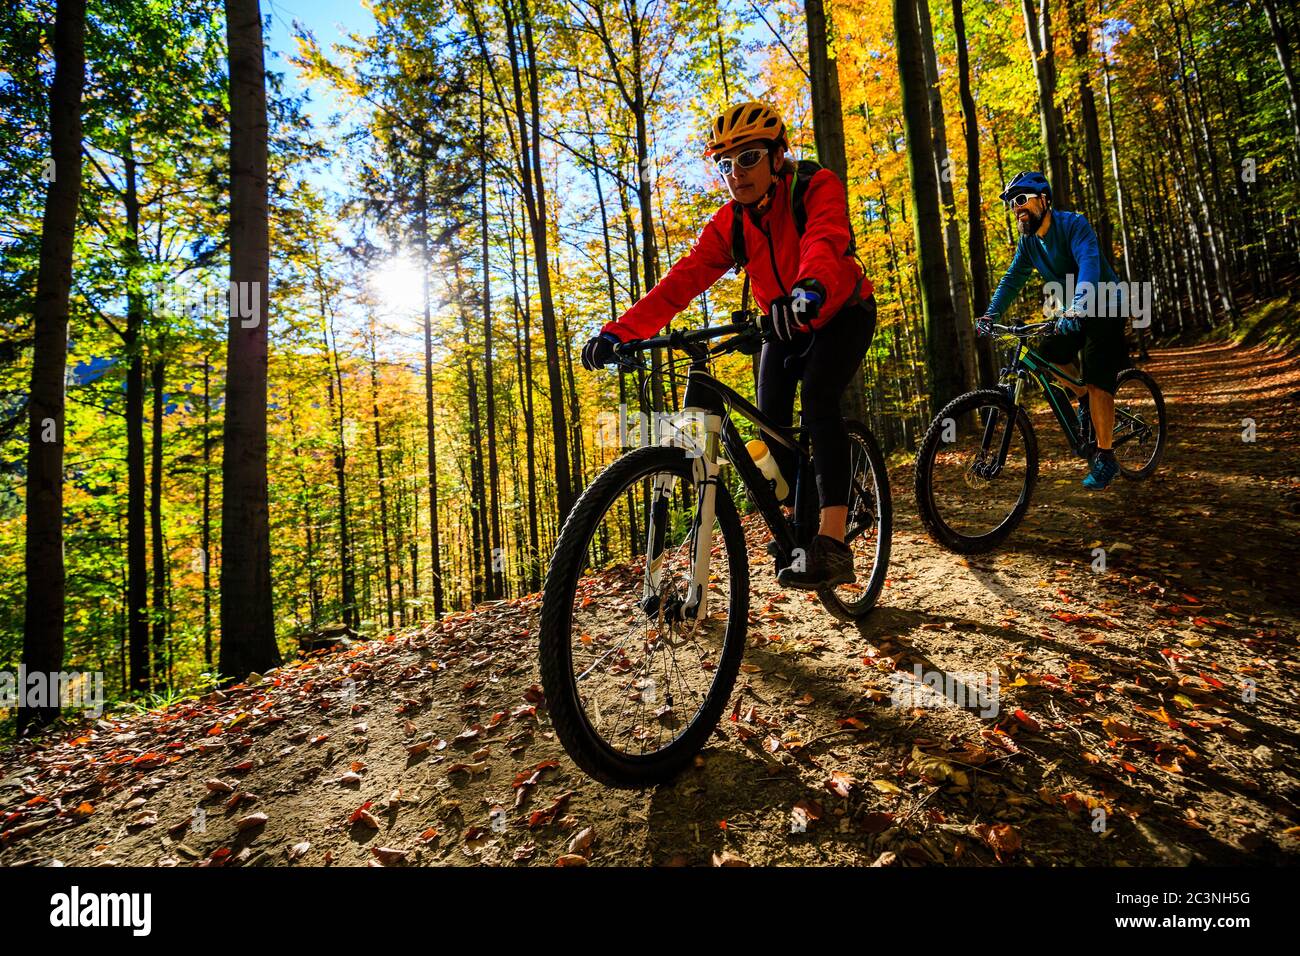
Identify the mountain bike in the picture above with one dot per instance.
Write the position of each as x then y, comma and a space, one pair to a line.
645, 608
978, 462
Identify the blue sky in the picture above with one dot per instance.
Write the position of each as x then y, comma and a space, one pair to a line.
330, 21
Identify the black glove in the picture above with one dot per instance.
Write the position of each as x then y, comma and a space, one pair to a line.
599, 351
792, 315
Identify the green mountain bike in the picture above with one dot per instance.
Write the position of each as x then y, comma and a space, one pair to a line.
645, 608
978, 462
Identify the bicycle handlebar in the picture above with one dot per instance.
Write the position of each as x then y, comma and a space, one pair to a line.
685, 339
1025, 331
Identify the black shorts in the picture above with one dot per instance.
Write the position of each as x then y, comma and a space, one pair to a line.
1105, 350
822, 365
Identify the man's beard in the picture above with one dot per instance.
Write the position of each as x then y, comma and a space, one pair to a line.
1029, 226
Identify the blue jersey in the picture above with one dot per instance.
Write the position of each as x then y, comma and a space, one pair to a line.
1068, 254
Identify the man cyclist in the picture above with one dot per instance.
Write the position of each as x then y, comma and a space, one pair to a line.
819, 311
1062, 247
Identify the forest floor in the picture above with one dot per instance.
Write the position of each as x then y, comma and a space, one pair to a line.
1147, 713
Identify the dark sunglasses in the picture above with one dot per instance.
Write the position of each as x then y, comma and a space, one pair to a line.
746, 160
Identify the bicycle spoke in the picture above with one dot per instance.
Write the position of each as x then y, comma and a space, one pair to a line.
638, 692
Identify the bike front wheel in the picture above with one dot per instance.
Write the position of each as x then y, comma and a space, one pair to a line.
975, 471
634, 682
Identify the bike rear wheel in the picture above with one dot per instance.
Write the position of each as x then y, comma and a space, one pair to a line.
966, 501
633, 690
1140, 428
868, 530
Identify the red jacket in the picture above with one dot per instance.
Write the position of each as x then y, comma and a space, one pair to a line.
817, 254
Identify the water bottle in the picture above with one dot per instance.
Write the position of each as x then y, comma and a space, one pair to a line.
758, 450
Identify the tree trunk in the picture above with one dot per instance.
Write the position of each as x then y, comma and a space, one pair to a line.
534, 190
940, 321
435, 548
1080, 37
247, 615
943, 173
155, 515
1282, 47
828, 132
45, 575
979, 272
206, 534
497, 579
379, 472
1038, 30
136, 557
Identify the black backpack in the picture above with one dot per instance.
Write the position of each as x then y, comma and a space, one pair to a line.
802, 176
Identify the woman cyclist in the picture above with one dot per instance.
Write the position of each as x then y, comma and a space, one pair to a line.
819, 310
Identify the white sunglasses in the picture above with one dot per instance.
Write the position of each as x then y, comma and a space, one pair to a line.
746, 160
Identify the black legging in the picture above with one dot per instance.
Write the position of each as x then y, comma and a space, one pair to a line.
825, 362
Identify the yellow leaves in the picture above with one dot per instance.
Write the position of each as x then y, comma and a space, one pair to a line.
935, 769
1119, 730
1160, 715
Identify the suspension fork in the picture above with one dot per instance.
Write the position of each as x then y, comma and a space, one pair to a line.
704, 476
994, 468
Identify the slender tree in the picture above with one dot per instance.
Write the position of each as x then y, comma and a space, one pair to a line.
43, 633
247, 616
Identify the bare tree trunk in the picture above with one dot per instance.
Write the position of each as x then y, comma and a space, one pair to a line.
160, 609
136, 557
43, 628
1080, 37
247, 616
974, 213
379, 472
828, 130
308, 524
943, 173
940, 319
1282, 47
1038, 30
206, 534
435, 549
529, 158
497, 579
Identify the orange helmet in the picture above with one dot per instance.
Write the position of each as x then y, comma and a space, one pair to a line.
742, 124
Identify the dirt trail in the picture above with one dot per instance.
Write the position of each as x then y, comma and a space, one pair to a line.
1125, 700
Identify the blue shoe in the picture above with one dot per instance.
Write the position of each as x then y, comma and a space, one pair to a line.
1103, 472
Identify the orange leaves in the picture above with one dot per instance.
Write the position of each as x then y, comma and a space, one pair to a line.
149, 761
542, 817
1029, 723
1119, 730
363, 817
1001, 838
1160, 715
840, 783
1070, 617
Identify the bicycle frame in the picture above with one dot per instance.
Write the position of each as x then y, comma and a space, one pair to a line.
1031, 361
1027, 362
711, 402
